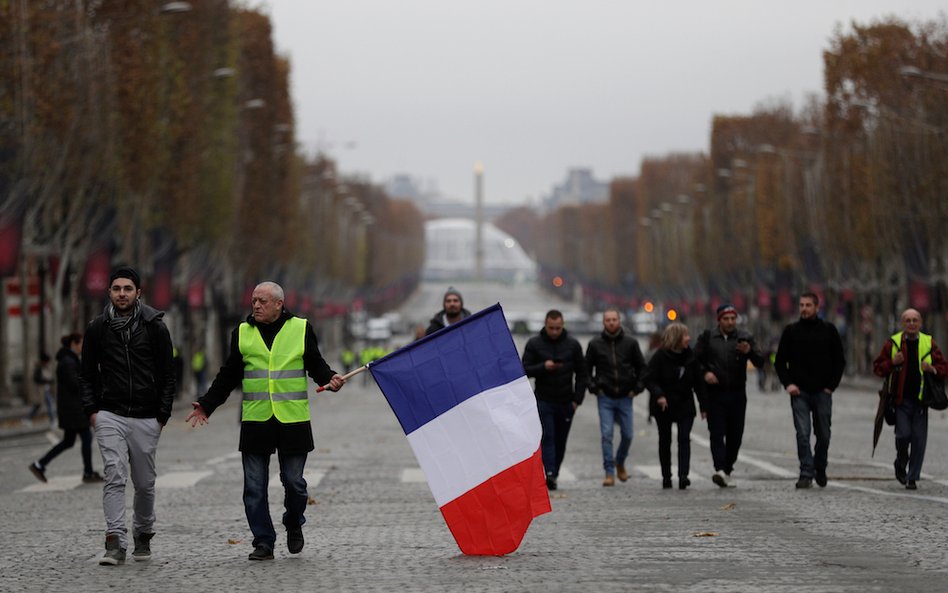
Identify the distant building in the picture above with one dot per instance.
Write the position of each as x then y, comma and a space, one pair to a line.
579, 187
449, 248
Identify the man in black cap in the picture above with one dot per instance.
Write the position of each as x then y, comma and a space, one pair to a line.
453, 311
128, 387
723, 353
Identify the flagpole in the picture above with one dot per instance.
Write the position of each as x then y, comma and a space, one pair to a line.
346, 377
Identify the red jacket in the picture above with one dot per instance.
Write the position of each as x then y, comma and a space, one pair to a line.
883, 365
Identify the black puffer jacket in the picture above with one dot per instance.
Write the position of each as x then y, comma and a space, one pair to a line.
615, 364
557, 386
69, 391
129, 373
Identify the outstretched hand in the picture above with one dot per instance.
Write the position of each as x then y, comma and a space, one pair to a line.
197, 415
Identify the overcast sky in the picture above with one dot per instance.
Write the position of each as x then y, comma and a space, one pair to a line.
531, 88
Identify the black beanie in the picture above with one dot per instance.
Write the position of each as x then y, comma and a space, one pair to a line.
126, 272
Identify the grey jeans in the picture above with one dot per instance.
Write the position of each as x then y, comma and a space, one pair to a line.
128, 444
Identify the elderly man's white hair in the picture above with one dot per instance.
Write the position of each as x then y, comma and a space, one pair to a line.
275, 290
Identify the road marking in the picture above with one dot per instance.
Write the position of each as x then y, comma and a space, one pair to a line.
223, 458
312, 477
414, 475
177, 480
57, 484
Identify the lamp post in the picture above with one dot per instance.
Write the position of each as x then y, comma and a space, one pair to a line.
916, 72
479, 221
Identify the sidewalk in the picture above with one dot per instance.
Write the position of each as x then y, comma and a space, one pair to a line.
14, 422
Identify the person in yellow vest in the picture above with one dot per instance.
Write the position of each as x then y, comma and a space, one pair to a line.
914, 357
270, 355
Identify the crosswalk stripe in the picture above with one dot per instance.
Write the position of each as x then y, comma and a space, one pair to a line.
312, 477
57, 484
173, 480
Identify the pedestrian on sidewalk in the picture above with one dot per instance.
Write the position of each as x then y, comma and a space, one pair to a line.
912, 357
43, 379
555, 361
673, 378
723, 353
72, 419
127, 392
270, 355
615, 363
810, 363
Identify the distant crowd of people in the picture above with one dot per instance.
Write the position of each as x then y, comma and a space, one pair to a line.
117, 382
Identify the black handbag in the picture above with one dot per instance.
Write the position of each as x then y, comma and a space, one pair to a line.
933, 393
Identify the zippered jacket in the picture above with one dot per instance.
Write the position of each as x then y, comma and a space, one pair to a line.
129, 372
615, 365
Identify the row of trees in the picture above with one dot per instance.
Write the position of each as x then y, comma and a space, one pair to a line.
163, 135
846, 196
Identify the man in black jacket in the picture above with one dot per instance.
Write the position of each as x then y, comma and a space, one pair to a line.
127, 391
615, 364
723, 353
555, 360
810, 363
452, 311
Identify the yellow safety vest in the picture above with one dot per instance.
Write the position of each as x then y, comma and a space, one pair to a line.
274, 381
924, 351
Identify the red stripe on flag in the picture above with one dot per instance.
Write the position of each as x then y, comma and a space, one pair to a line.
492, 518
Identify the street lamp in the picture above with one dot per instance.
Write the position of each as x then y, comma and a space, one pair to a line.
916, 72
175, 7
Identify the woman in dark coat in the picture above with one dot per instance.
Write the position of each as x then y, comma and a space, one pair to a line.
673, 378
72, 419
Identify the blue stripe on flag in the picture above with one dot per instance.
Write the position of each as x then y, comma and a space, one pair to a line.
429, 377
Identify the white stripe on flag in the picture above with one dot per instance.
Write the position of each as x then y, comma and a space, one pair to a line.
477, 439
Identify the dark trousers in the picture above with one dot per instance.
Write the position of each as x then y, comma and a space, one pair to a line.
256, 499
664, 423
911, 435
556, 419
819, 406
726, 413
69, 439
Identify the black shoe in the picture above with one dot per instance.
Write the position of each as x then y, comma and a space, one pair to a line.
821, 478
666, 482
142, 551
38, 471
550, 482
92, 478
294, 540
911, 485
261, 552
804, 482
899, 472
114, 552
683, 483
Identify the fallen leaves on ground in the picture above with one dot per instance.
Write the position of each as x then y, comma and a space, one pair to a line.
311, 500
729, 506
704, 534
233, 541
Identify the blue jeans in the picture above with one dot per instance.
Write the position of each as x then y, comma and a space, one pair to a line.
611, 412
911, 436
256, 502
555, 418
819, 405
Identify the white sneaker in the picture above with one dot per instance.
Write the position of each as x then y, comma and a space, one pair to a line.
720, 479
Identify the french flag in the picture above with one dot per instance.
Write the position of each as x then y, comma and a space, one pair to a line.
471, 418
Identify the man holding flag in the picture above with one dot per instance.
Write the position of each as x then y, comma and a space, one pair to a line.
270, 355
